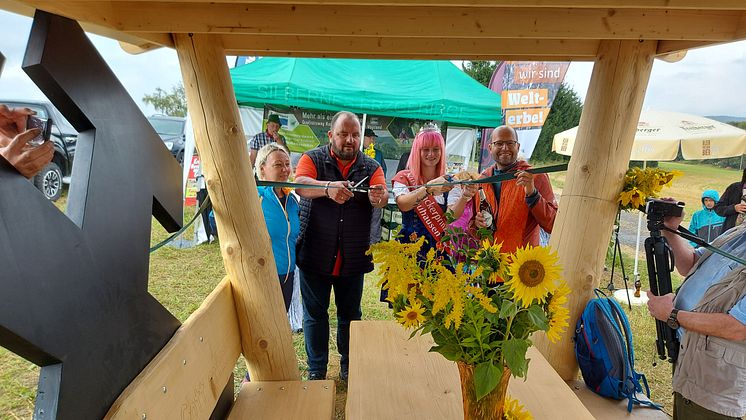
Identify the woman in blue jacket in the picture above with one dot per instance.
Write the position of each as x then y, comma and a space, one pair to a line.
281, 210
706, 223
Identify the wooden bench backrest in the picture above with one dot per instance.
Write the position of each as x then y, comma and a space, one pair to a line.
186, 378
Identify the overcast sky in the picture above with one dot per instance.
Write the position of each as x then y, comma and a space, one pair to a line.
708, 81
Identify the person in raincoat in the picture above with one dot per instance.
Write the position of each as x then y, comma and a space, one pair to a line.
706, 223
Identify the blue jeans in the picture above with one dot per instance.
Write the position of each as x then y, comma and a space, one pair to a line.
316, 291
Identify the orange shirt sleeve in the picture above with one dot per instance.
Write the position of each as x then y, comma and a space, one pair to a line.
305, 167
378, 177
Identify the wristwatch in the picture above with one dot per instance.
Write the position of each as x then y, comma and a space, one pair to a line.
672, 320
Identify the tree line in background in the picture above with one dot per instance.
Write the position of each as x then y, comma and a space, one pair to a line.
171, 103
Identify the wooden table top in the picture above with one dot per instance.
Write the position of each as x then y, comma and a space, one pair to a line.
392, 377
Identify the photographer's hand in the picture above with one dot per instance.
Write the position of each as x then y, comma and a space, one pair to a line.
12, 122
660, 307
684, 256
26, 159
670, 221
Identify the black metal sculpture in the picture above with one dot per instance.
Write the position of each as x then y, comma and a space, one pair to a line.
74, 290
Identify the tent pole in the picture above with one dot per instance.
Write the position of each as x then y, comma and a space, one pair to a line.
595, 176
365, 125
266, 341
637, 240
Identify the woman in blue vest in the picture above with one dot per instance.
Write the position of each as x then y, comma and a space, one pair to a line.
281, 209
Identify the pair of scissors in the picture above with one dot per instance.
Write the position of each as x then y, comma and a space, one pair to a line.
357, 188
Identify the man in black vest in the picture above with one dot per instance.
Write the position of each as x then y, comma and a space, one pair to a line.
335, 233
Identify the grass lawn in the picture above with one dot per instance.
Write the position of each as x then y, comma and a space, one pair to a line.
181, 279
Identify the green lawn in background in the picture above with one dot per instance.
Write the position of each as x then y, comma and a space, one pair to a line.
181, 279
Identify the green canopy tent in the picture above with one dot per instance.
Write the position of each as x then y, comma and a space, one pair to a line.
427, 90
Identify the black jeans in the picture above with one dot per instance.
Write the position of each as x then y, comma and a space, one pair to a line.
201, 197
316, 292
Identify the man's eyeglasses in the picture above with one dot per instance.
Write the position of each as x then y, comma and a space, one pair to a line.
503, 144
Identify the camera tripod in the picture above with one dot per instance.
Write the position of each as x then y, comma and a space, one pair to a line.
618, 250
660, 263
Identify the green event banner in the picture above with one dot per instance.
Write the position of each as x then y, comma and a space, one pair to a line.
306, 129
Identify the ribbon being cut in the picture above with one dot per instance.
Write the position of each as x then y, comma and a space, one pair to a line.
488, 180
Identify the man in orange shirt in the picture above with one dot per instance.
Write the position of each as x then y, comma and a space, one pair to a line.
334, 235
518, 206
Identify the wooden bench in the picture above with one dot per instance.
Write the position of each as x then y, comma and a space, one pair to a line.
392, 376
188, 377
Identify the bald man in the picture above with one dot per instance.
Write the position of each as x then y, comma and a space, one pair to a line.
519, 207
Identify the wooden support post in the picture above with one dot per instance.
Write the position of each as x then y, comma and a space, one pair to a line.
600, 158
247, 252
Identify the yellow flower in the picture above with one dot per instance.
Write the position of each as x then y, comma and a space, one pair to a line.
449, 288
370, 151
624, 198
484, 301
558, 313
489, 256
514, 410
534, 274
411, 316
397, 264
637, 198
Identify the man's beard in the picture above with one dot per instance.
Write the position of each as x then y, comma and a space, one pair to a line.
341, 154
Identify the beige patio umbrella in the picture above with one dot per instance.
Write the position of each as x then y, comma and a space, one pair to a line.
660, 134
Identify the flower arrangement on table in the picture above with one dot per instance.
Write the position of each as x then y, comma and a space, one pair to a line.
641, 184
480, 313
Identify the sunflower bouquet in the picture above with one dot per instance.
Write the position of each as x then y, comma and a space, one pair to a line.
480, 310
641, 184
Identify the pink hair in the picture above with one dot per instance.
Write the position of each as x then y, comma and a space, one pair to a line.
426, 139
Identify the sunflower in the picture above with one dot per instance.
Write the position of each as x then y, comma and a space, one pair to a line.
490, 257
411, 316
534, 274
558, 313
515, 410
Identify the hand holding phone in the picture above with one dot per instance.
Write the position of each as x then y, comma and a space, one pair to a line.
45, 127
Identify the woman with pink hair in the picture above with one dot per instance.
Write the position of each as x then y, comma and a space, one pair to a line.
419, 192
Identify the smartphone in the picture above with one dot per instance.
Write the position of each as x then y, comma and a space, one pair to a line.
44, 125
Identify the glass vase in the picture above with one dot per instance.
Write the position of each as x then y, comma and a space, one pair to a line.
492, 405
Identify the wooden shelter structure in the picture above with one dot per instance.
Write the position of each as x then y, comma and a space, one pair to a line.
621, 37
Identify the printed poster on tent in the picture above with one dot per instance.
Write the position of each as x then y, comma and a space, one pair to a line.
528, 89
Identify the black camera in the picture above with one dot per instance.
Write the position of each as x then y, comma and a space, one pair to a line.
45, 127
658, 209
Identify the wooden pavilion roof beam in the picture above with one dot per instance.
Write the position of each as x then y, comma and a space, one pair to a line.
131, 43
410, 21
434, 48
595, 4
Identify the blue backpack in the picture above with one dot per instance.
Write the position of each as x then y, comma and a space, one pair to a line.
603, 347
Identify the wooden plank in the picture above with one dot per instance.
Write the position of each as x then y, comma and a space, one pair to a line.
425, 56
616, 4
595, 177
244, 242
397, 21
392, 376
189, 373
145, 41
291, 45
668, 47
610, 409
307, 400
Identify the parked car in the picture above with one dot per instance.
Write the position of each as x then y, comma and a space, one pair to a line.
171, 130
51, 178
